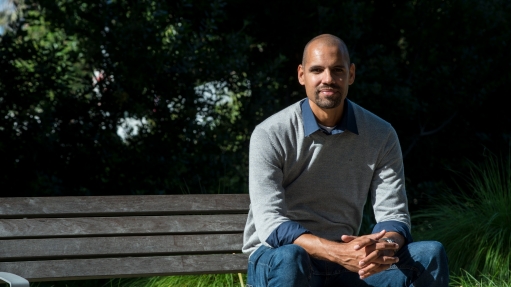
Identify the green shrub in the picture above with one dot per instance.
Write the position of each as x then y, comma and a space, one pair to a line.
475, 225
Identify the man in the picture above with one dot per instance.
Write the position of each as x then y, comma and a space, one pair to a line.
311, 168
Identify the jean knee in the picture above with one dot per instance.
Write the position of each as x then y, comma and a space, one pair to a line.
291, 254
429, 251
430, 260
435, 248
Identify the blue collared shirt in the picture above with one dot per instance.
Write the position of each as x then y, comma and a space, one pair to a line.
347, 122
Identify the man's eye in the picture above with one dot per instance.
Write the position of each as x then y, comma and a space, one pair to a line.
316, 71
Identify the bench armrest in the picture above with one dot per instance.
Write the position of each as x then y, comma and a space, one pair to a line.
14, 280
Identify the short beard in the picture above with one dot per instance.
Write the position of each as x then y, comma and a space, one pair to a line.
331, 102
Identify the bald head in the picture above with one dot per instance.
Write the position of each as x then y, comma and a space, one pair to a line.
328, 40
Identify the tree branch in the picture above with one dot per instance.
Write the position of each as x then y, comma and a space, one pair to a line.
428, 133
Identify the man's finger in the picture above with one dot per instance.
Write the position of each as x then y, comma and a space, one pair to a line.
379, 235
379, 258
369, 239
363, 242
347, 238
386, 246
372, 269
375, 253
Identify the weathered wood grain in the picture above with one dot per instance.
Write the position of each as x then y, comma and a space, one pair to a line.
130, 225
80, 206
67, 238
126, 267
58, 248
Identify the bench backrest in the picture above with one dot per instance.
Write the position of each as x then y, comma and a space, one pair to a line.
67, 238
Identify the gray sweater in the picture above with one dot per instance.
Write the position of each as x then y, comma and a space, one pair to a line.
322, 181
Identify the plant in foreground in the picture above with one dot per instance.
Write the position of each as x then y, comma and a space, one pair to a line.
475, 226
467, 280
205, 280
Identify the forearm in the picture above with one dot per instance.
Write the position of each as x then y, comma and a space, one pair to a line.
341, 253
349, 253
317, 247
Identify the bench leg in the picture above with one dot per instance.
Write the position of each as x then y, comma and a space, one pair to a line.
14, 280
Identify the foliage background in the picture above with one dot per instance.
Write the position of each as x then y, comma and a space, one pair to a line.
438, 71
474, 225
197, 76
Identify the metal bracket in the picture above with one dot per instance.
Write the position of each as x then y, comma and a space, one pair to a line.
14, 280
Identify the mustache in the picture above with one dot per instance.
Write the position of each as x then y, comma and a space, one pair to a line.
331, 86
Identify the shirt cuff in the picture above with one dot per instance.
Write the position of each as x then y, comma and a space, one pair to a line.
395, 226
286, 233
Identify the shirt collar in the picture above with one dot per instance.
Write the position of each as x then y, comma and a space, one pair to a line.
347, 122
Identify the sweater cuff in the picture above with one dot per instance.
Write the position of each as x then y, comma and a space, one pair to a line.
395, 226
286, 233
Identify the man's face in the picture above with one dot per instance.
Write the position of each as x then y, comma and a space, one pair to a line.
326, 75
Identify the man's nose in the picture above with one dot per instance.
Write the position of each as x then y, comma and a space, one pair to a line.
327, 77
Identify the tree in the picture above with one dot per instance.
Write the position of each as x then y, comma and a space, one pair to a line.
198, 76
59, 134
436, 70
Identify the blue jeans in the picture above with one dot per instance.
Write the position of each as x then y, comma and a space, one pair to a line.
421, 264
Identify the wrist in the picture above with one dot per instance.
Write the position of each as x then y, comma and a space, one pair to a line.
388, 251
314, 245
324, 250
387, 239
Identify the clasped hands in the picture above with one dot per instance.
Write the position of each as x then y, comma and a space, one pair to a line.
369, 255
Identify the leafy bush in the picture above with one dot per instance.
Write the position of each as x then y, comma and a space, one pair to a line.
475, 224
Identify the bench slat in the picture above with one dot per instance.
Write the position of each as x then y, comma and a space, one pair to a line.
124, 267
133, 225
80, 206
37, 249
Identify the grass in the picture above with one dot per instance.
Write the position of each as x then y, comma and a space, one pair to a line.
475, 225
205, 280
464, 280
467, 280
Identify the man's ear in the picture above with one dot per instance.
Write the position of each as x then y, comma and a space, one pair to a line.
352, 74
301, 77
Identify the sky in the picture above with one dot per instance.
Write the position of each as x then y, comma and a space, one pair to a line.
5, 5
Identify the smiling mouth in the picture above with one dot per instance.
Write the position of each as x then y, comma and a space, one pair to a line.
327, 92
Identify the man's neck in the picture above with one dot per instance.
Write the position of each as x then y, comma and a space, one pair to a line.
327, 117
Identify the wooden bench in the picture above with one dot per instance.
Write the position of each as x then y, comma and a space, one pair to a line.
72, 238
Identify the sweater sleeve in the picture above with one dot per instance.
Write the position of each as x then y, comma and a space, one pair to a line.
388, 194
267, 195
285, 234
395, 226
